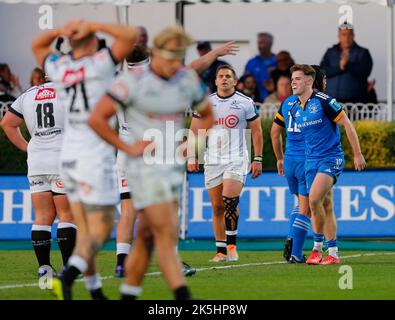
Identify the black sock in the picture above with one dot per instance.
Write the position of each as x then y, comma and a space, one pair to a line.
98, 294
231, 239
41, 241
221, 249
70, 274
66, 242
182, 293
121, 259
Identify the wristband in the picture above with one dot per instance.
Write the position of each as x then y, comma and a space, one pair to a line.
258, 159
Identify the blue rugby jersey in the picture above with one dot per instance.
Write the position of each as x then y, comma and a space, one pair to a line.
294, 145
317, 122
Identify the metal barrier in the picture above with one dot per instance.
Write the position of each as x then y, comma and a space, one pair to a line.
355, 111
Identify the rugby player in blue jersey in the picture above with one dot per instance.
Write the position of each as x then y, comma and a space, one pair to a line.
317, 117
291, 164
294, 164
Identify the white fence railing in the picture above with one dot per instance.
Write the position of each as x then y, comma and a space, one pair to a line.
355, 111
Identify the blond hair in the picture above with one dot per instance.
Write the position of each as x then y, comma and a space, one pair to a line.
172, 33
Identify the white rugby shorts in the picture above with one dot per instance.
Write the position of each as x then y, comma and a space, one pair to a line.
46, 182
91, 181
123, 186
214, 174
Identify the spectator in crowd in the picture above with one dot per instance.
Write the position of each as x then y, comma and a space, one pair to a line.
262, 64
284, 64
208, 76
347, 67
283, 90
37, 77
248, 86
9, 83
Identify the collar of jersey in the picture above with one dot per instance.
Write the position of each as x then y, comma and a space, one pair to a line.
308, 100
227, 97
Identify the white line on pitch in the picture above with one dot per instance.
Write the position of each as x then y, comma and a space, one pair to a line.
211, 268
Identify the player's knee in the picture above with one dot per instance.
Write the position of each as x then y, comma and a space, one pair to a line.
218, 209
315, 204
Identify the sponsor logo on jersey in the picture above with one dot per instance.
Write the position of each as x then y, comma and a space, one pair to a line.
72, 77
124, 183
45, 94
230, 121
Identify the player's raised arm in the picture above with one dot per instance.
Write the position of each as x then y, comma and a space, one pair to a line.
124, 37
41, 45
359, 160
202, 63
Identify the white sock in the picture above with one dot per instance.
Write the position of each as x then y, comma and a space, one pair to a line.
334, 252
123, 248
93, 282
131, 290
318, 246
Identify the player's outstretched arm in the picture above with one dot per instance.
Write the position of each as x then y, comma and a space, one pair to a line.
202, 63
99, 122
277, 142
10, 124
359, 160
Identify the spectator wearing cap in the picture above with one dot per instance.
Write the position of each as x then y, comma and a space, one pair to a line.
347, 66
208, 76
262, 64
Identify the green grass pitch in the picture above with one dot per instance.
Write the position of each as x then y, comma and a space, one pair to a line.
258, 275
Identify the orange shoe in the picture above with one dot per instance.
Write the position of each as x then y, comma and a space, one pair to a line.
219, 257
232, 253
330, 260
315, 258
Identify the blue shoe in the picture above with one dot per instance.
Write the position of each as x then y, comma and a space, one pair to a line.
119, 272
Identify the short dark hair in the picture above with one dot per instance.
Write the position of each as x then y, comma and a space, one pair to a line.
203, 45
305, 68
82, 42
228, 67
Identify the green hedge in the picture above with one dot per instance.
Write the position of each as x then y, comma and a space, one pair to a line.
377, 140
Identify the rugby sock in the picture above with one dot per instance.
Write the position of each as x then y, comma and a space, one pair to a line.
41, 240
221, 246
231, 218
318, 241
294, 212
129, 292
332, 248
94, 285
66, 235
182, 293
299, 230
75, 266
123, 250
